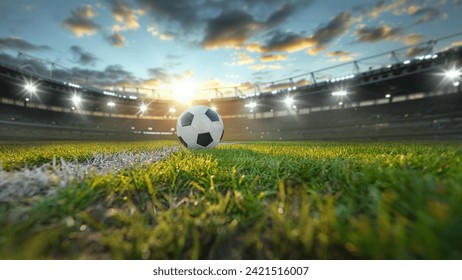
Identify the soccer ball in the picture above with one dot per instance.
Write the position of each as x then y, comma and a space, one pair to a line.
199, 127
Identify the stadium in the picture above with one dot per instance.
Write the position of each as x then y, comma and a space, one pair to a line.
396, 101
356, 160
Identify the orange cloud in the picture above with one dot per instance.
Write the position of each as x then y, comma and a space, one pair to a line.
341, 56
385, 32
318, 41
244, 59
273, 57
124, 14
117, 40
80, 22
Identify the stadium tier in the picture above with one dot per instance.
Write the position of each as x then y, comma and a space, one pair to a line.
413, 99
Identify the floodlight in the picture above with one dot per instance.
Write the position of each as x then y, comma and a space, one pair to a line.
289, 101
452, 73
456, 83
76, 100
339, 93
340, 103
143, 108
30, 87
111, 104
387, 95
172, 110
251, 105
213, 108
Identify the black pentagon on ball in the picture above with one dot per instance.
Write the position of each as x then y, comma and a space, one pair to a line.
213, 116
187, 119
182, 141
204, 139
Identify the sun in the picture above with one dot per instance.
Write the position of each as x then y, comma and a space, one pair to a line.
183, 91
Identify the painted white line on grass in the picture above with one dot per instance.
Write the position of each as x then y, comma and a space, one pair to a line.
47, 179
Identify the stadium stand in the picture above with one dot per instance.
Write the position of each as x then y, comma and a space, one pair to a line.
405, 100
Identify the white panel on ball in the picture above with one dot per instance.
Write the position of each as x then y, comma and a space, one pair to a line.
201, 123
189, 135
198, 109
216, 130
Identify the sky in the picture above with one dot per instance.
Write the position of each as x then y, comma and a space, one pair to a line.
172, 45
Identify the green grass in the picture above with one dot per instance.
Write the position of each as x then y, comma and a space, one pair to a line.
285, 200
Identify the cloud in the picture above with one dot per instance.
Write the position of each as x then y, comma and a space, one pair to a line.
375, 34
336, 27
167, 36
383, 6
82, 57
227, 24
282, 42
160, 74
184, 12
116, 39
124, 14
412, 39
281, 14
153, 30
426, 14
80, 22
244, 59
387, 33
22, 45
318, 41
273, 57
456, 44
341, 56
230, 29
259, 67
188, 74
415, 51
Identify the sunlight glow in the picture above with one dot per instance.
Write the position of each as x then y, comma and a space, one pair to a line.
183, 91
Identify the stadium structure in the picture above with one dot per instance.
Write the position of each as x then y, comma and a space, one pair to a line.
397, 98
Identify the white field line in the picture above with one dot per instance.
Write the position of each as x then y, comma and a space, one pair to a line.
47, 179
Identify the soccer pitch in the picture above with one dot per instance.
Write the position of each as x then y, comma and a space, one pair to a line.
256, 200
